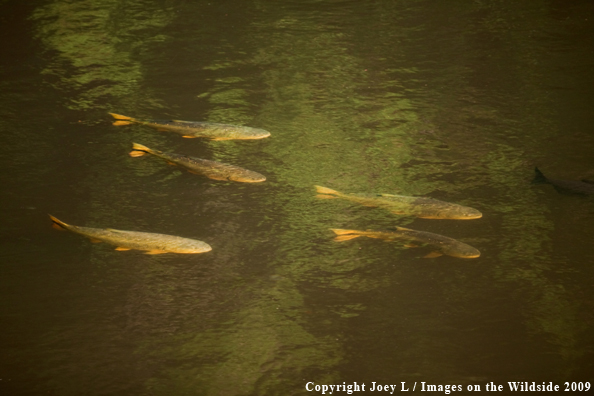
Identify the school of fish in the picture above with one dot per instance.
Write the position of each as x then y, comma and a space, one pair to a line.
421, 207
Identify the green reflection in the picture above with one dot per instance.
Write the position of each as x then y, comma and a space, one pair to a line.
95, 47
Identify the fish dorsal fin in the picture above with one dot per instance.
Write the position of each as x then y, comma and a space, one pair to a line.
113, 230
188, 136
121, 249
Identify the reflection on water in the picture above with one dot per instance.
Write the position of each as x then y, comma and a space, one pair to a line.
453, 102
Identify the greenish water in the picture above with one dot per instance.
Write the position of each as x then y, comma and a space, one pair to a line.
456, 101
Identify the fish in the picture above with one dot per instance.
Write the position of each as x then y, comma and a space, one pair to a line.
211, 169
583, 187
425, 208
195, 129
440, 244
133, 240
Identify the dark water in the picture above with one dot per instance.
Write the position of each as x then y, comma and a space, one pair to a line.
452, 100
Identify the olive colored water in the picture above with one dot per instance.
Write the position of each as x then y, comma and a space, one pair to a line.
451, 100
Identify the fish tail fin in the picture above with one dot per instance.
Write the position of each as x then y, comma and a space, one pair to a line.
341, 238
345, 235
324, 192
324, 196
121, 117
58, 224
539, 177
122, 120
138, 150
339, 231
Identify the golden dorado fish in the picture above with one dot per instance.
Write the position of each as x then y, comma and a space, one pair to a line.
426, 208
441, 244
194, 129
128, 240
211, 169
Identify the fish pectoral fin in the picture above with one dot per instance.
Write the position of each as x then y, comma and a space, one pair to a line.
324, 196
433, 255
95, 240
215, 177
341, 238
120, 123
188, 136
155, 251
121, 249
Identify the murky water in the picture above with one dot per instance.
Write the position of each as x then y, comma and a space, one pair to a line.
456, 102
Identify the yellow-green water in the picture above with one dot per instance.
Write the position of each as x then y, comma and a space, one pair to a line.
457, 101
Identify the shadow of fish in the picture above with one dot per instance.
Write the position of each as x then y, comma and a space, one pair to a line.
426, 208
211, 169
194, 129
128, 240
584, 187
440, 244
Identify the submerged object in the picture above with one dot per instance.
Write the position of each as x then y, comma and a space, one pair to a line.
584, 187
426, 208
211, 169
441, 244
194, 129
128, 240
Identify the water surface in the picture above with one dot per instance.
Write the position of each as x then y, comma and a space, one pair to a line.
456, 102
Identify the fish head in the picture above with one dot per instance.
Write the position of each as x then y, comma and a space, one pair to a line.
462, 250
193, 248
463, 213
257, 133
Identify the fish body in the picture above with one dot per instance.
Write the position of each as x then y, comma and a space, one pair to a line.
193, 129
426, 208
441, 244
128, 240
584, 187
211, 169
